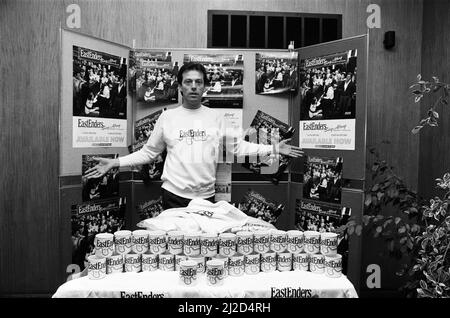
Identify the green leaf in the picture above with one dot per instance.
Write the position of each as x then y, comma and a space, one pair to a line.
418, 98
397, 220
358, 229
402, 230
379, 229
375, 187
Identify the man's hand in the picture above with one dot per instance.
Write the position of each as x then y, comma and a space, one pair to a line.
288, 150
103, 166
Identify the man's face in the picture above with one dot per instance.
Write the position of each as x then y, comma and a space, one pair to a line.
192, 86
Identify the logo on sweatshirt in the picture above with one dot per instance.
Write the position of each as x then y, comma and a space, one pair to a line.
192, 135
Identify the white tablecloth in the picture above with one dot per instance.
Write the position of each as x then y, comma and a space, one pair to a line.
166, 284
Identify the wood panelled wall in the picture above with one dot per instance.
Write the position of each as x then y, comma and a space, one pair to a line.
29, 64
435, 142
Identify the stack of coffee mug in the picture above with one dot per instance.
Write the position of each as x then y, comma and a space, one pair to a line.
217, 255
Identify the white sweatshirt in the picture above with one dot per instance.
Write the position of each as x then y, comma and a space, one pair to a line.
192, 138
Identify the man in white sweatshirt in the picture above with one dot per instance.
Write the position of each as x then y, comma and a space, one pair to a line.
192, 134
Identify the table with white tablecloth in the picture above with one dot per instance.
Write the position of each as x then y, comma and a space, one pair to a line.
165, 284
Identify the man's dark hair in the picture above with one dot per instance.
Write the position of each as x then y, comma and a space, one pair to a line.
192, 67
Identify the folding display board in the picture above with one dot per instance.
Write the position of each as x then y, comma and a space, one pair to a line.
347, 55
114, 133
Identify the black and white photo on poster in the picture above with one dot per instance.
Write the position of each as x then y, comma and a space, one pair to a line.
99, 99
276, 72
156, 78
320, 216
150, 209
142, 131
328, 101
89, 219
254, 204
266, 129
225, 74
99, 188
99, 84
324, 217
322, 179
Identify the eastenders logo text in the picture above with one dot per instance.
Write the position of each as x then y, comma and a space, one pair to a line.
314, 126
289, 292
89, 123
140, 295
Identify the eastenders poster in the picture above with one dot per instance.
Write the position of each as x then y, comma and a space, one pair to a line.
276, 73
91, 218
328, 101
155, 79
225, 73
99, 99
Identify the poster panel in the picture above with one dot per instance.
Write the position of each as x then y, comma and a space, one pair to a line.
327, 111
276, 73
155, 78
99, 99
225, 73
323, 179
99, 188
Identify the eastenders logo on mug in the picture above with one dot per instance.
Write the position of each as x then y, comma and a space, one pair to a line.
328, 242
333, 264
174, 241
149, 260
157, 240
209, 243
214, 271
301, 259
227, 243
261, 240
140, 240
278, 239
114, 262
97, 266
191, 242
124, 241
295, 240
252, 261
284, 259
268, 259
235, 263
244, 241
102, 244
166, 260
188, 272
317, 260
132, 260
312, 240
